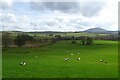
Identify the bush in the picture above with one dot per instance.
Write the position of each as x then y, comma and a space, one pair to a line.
74, 42
89, 41
20, 39
86, 40
6, 39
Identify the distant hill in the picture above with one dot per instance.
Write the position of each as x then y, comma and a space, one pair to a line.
100, 30
91, 30
96, 30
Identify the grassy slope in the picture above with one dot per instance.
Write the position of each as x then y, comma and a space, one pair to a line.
50, 61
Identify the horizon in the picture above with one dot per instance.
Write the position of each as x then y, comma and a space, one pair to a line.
57, 31
32, 16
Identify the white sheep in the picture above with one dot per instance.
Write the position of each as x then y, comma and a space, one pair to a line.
66, 59
23, 63
78, 58
71, 54
101, 60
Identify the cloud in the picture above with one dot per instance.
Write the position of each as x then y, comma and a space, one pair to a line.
9, 18
59, 16
87, 9
6, 4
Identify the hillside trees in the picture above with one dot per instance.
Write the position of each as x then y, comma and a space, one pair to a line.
83, 40
21, 39
74, 42
6, 39
86, 40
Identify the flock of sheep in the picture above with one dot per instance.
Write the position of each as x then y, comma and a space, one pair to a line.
66, 59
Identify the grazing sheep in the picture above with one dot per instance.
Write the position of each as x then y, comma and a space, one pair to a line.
78, 58
36, 57
23, 63
71, 54
101, 60
66, 59
78, 53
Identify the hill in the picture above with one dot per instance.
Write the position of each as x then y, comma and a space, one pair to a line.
96, 30
100, 30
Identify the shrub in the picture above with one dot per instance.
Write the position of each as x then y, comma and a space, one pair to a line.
74, 42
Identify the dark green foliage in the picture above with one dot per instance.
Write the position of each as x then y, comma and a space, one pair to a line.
28, 38
74, 42
86, 40
51, 34
6, 39
21, 39
54, 40
58, 36
83, 40
89, 41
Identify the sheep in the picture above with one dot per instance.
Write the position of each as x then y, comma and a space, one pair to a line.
78, 58
66, 59
104, 62
101, 60
78, 53
36, 57
71, 54
23, 63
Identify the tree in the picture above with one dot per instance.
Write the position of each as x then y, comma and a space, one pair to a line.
54, 40
6, 39
86, 40
74, 42
20, 39
83, 40
28, 38
51, 34
89, 41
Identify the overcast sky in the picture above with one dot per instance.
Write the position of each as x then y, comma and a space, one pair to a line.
77, 15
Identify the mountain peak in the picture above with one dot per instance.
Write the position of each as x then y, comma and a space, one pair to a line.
96, 30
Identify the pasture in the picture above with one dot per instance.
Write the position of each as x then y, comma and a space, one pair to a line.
50, 61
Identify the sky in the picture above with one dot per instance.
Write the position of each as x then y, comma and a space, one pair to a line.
58, 15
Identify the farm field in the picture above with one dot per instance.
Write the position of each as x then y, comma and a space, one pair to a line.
50, 61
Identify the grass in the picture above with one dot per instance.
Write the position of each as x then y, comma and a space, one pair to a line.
50, 62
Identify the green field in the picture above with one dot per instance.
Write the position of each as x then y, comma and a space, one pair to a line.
50, 61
